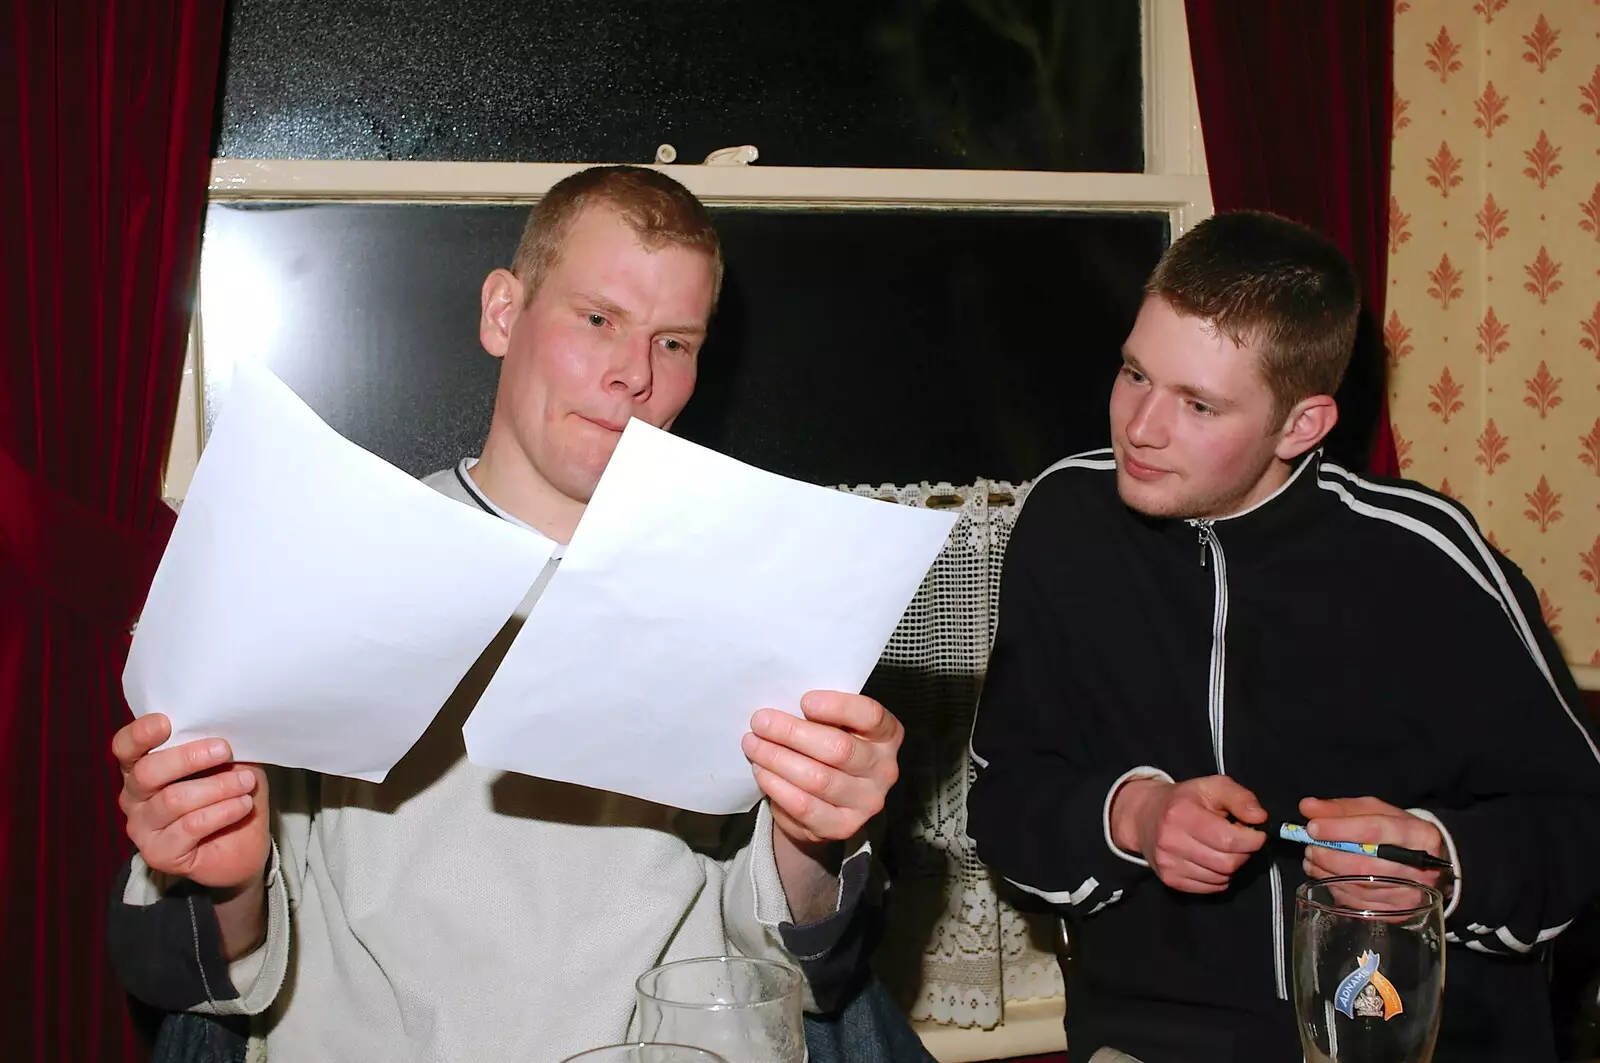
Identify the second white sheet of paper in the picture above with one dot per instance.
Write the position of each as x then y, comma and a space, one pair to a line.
696, 590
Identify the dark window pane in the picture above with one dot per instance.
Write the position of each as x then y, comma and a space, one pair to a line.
850, 346
1011, 84
906, 346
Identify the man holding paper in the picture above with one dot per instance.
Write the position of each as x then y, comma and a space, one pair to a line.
454, 912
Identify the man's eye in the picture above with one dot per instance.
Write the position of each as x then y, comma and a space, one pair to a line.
597, 320
1202, 408
672, 345
1133, 374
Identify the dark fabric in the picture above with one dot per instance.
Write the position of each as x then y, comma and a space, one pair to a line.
1361, 655
169, 953
105, 113
1295, 99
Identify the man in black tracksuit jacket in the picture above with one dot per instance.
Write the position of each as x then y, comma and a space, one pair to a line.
1208, 620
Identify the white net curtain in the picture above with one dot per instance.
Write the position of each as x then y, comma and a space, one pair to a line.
955, 950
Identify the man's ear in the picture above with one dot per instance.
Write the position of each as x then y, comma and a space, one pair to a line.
1307, 425
501, 301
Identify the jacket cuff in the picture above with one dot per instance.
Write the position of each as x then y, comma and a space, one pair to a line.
832, 951
1450, 848
1141, 772
771, 903
257, 976
808, 940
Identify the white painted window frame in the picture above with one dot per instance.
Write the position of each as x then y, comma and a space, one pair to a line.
1174, 182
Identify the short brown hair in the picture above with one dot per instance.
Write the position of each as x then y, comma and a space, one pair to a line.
658, 209
1264, 280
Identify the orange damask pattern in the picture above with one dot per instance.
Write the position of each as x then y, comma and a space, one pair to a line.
1493, 327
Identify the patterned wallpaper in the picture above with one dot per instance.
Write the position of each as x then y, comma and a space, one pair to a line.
1493, 317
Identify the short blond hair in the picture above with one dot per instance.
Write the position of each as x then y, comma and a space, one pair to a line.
658, 209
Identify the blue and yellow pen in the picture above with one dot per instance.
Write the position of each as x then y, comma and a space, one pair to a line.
1295, 832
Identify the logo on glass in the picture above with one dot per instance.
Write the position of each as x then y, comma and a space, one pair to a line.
1366, 993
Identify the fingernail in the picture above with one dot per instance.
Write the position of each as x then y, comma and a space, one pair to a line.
246, 779
748, 743
247, 801
1313, 830
218, 749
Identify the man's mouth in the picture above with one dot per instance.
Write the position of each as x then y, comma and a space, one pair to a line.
1139, 470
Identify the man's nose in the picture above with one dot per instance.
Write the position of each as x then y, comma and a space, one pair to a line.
630, 371
1147, 427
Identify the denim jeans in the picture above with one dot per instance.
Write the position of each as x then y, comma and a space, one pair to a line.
189, 1038
869, 1029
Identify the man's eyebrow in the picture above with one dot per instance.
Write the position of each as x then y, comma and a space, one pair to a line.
614, 310
607, 306
1198, 394
1201, 395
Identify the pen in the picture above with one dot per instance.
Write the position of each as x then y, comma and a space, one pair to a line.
1295, 832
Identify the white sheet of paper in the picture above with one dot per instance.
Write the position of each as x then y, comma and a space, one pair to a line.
696, 590
315, 605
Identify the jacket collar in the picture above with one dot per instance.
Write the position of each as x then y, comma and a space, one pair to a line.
1275, 521
1281, 517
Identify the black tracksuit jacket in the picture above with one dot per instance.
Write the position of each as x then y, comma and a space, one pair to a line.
1346, 637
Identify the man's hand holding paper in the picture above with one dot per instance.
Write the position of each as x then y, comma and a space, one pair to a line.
826, 774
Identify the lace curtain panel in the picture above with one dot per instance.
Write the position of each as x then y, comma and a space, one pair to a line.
955, 949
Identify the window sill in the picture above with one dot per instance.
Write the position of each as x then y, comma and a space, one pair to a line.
1031, 1027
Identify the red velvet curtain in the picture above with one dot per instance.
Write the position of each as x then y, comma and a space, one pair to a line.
1295, 101
105, 120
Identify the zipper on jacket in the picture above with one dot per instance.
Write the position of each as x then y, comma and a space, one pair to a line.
1219, 629
1210, 545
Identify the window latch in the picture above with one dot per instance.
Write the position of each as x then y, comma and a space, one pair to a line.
738, 155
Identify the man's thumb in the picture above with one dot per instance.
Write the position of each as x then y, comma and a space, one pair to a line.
1238, 802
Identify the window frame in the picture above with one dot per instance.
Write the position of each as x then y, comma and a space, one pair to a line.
1174, 182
